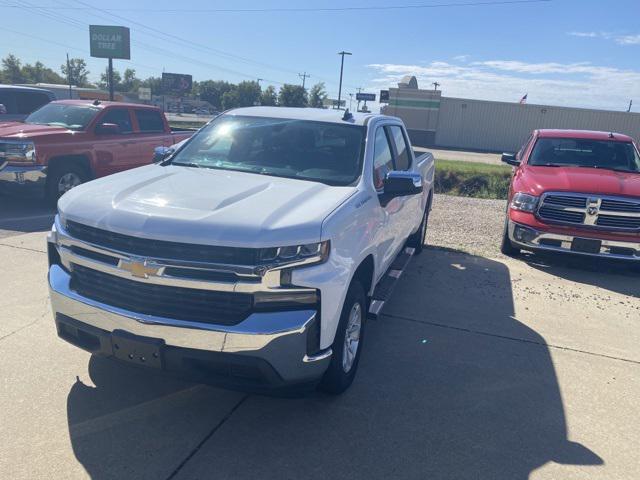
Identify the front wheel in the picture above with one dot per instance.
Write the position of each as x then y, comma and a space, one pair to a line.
62, 178
347, 345
507, 247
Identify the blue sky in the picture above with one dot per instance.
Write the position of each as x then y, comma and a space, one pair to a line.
564, 52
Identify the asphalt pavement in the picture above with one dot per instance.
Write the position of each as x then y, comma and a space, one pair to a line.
480, 367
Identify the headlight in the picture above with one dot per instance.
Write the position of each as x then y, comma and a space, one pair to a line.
293, 255
20, 152
524, 202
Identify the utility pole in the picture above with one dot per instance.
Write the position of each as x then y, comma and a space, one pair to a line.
304, 76
435, 86
630, 103
110, 79
343, 53
69, 76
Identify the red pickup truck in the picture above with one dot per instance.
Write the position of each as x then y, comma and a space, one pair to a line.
68, 142
575, 191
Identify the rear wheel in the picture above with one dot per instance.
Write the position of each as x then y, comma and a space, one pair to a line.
507, 247
62, 178
417, 239
347, 345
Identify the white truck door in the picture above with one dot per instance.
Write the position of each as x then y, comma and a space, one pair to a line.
392, 233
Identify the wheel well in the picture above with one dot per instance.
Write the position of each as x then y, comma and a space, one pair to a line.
77, 160
364, 273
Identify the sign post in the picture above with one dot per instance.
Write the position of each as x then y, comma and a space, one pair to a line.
108, 41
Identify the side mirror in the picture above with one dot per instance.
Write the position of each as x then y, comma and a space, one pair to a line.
108, 129
160, 153
510, 159
401, 184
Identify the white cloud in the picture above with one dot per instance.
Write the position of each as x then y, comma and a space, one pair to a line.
620, 39
461, 58
568, 84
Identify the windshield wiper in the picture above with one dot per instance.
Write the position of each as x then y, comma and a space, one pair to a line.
186, 164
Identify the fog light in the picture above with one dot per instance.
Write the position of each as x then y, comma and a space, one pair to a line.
523, 234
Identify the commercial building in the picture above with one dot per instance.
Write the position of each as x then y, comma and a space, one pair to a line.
436, 121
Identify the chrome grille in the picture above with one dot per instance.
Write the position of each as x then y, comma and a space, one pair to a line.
612, 213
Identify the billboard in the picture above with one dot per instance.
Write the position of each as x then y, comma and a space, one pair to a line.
108, 41
144, 93
367, 97
176, 83
384, 96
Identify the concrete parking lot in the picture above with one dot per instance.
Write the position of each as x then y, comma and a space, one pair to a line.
481, 367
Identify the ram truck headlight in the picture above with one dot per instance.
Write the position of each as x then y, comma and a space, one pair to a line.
20, 152
524, 202
294, 255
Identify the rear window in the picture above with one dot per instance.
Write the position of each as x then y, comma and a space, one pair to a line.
149, 121
581, 152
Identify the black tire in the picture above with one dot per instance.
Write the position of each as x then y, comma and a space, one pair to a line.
336, 379
416, 240
507, 247
58, 175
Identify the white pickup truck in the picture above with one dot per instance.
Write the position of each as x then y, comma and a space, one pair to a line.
251, 256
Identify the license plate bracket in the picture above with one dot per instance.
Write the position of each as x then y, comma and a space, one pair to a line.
143, 351
586, 245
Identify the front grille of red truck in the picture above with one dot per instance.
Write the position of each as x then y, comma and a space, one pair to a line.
594, 211
203, 306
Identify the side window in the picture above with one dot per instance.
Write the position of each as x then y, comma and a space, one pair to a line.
119, 116
27, 102
524, 148
149, 121
382, 159
8, 100
403, 160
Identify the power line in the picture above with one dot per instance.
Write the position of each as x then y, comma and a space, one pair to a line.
299, 9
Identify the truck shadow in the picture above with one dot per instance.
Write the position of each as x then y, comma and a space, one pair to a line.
614, 275
450, 385
25, 213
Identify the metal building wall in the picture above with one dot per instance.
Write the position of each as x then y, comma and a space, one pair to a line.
499, 126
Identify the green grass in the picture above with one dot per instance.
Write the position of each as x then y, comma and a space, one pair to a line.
472, 179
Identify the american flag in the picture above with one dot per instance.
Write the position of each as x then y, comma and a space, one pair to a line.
523, 100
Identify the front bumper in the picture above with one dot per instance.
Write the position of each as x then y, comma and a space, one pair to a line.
28, 177
531, 238
265, 351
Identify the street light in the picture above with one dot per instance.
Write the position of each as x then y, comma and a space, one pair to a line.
343, 53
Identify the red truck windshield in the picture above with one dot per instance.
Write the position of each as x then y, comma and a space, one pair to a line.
329, 153
73, 117
581, 152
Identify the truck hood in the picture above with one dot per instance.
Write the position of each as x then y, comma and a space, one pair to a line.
205, 206
536, 180
26, 130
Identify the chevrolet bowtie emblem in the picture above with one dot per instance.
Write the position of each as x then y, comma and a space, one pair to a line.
140, 267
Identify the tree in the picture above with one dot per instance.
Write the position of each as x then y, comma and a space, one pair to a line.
78, 72
104, 80
317, 95
130, 82
269, 97
38, 73
12, 70
292, 96
248, 93
212, 91
154, 83
230, 99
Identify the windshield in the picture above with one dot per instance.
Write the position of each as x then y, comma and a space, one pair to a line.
580, 152
324, 152
74, 117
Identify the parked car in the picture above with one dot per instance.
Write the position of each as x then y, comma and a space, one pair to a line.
18, 102
67, 142
575, 192
251, 257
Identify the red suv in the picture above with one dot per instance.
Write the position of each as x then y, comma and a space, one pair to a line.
575, 191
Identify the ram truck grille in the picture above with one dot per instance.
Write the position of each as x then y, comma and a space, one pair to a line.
203, 306
590, 210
